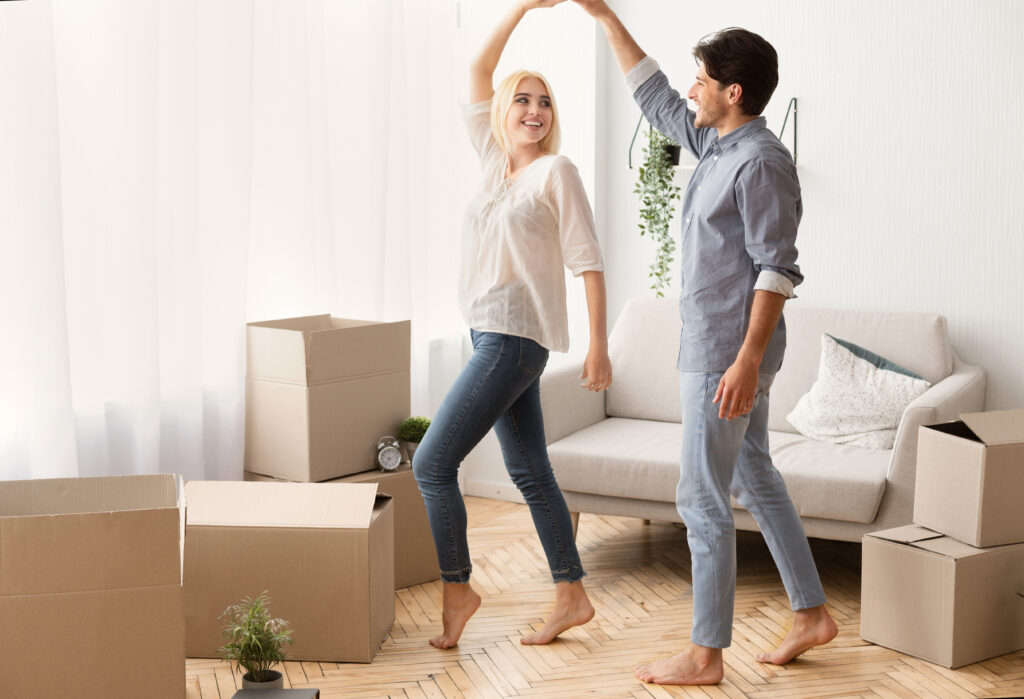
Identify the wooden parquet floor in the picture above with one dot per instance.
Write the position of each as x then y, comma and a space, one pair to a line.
638, 579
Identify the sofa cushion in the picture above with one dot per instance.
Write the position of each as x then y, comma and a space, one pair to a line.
858, 398
643, 348
917, 341
640, 459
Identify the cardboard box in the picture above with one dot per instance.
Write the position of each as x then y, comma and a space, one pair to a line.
90, 587
938, 599
415, 557
320, 392
970, 477
323, 553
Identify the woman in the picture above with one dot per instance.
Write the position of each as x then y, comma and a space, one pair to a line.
530, 217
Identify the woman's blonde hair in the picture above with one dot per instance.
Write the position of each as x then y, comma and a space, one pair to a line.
502, 102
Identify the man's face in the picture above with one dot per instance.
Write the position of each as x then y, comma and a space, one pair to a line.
711, 98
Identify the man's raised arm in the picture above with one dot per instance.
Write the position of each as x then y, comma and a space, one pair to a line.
626, 50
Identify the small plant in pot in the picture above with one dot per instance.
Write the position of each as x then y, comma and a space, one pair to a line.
411, 432
255, 641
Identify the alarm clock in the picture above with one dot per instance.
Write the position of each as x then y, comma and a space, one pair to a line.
389, 456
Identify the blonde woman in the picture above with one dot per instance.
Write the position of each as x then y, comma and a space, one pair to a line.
530, 218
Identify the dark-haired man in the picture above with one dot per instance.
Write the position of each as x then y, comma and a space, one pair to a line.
740, 216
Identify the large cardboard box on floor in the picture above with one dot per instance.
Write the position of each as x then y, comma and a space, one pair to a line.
937, 598
320, 392
90, 588
415, 558
970, 478
323, 553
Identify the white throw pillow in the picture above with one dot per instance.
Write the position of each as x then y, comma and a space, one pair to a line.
858, 398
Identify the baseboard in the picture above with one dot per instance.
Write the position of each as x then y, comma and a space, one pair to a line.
492, 489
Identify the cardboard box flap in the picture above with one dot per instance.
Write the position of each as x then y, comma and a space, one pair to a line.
278, 504
997, 427
909, 534
949, 547
61, 496
278, 350
355, 348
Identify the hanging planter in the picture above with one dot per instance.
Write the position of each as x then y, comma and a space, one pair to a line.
658, 191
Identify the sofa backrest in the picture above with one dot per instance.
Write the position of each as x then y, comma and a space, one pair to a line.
644, 346
915, 341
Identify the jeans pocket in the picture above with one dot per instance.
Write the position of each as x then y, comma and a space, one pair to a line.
532, 357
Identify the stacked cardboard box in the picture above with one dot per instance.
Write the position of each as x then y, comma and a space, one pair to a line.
90, 587
950, 589
320, 392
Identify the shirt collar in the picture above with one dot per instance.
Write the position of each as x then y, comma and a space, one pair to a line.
737, 135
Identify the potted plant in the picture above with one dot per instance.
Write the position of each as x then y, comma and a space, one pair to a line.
658, 190
255, 641
411, 432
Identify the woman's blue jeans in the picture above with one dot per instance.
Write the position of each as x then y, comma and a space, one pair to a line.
723, 458
499, 388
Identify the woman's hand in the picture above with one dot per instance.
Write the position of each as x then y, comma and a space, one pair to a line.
597, 370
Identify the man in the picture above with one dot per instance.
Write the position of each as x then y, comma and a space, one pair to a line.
739, 220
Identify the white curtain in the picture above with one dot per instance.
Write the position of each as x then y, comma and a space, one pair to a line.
172, 169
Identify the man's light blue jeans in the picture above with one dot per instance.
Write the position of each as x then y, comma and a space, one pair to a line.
730, 457
499, 387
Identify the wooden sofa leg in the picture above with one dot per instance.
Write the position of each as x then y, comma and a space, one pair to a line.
575, 516
647, 522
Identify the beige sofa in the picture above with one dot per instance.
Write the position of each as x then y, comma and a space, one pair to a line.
618, 452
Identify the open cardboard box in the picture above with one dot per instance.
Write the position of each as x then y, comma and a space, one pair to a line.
320, 392
323, 553
90, 587
415, 558
970, 478
939, 599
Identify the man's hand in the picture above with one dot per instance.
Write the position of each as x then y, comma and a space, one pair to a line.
594, 8
737, 389
597, 370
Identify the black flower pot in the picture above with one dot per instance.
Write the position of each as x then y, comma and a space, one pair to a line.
276, 681
673, 153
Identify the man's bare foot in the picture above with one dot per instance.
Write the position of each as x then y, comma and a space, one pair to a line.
811, 627
695, 665
572, 608
460, 602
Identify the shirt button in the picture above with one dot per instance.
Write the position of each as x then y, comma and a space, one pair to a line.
698, 188
716, 157
687, 220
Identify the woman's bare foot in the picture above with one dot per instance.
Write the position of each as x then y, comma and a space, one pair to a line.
460, 602
695, 665
572, 608
811, 627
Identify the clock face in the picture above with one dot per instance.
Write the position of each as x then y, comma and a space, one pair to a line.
389, 457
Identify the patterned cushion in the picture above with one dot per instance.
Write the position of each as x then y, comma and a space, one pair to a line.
857, 399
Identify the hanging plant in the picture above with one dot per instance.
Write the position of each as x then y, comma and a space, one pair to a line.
658, 191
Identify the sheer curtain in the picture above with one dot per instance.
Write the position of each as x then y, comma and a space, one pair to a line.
172, 169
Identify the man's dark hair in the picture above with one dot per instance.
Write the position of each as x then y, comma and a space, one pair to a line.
736, 55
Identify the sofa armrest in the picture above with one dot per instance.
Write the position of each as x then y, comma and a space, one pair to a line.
963, 391
567, 407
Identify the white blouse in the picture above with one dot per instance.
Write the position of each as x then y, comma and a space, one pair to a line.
517, 236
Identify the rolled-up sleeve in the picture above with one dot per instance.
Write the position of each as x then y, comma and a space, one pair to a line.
576, 231
768, 197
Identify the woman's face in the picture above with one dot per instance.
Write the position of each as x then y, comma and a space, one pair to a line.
529, 118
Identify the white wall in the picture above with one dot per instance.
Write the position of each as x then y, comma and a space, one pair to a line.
910, 156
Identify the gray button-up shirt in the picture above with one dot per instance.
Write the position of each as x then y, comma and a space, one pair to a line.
739, 219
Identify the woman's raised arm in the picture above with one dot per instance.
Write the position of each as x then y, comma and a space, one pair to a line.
481, 70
